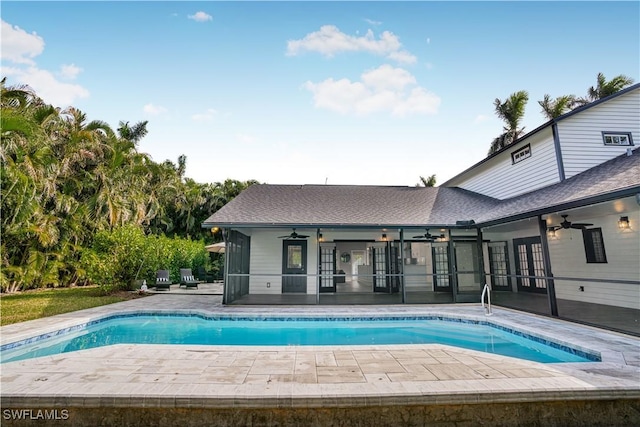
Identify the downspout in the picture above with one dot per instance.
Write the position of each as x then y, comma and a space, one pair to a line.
558, 150
546, 257
404, 291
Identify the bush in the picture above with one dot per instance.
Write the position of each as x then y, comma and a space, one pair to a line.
119, 257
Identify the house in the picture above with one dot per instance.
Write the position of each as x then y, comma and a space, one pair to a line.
551, 222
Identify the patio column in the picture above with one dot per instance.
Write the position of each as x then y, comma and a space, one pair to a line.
483, 276
546, 258
404, 292
225, 281
318, 266
453, 278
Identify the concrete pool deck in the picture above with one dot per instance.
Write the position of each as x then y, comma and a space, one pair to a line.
161, 378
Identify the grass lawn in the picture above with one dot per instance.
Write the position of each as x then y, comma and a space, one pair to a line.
31, 305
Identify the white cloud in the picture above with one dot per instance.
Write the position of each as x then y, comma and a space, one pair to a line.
46, 86
245, 138
206, 116
402, 56
70, 71
388, 77
18, 46
329, 40
480, 118
201, 17
428, 40
372, 22
153, 109
384, 89
21, 47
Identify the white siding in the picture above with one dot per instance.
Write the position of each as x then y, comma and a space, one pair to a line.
581, 134
622, 249
500, 178
266, 261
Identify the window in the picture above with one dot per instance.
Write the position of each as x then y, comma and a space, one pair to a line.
294, 258
617, 138
594, 245
521, 154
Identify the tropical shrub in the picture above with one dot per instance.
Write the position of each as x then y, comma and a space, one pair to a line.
117, 258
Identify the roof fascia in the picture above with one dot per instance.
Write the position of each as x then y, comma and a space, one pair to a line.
601, 198
543, 126
345, 226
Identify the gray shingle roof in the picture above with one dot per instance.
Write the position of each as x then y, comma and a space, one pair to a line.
361, 206
346, 205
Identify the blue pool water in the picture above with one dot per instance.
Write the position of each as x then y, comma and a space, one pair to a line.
177, 329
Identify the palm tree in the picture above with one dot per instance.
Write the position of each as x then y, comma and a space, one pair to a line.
557, 107
430, 181
133, 133
512, 112
605, 88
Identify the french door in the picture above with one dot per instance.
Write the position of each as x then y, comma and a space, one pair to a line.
294, 266
327, 268
499, 265
529, 262
441, 278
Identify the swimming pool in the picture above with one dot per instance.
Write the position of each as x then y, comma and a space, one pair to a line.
176, 328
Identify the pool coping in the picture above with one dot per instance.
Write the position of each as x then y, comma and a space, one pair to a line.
616, 376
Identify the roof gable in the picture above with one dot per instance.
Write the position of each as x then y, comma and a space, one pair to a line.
524, 139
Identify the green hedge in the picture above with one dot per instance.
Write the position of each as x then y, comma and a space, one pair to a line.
119, 257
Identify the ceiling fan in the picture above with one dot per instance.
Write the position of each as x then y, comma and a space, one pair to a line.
429, 237
566, 224
293, 235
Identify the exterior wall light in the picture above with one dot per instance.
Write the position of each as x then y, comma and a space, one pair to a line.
320, 238
623, 223
384, 237
552, 233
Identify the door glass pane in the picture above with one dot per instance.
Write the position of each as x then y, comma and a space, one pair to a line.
441, 266
538, 265
524, 265
327, 267
498, 264
294, 257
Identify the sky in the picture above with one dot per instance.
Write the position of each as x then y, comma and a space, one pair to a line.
367, 93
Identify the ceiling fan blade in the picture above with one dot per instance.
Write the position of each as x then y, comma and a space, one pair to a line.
422, 236
300, 236
582, 224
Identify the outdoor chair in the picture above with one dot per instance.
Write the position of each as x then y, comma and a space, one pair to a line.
162, 280
186, 278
